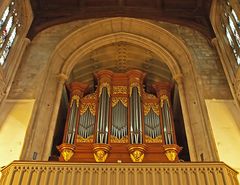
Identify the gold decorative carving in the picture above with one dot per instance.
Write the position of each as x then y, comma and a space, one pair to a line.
115, 100
119, 89
171, 154
102, 85
171, 151
163, 98
67, 154
148, 106
81, 139
137, 153
149, 139
90, 106
66, 150
114, 139
75, 98
135, 84
100, 152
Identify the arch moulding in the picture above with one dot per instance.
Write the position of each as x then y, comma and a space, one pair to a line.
170, 49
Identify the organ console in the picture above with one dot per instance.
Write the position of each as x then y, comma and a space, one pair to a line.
119, 121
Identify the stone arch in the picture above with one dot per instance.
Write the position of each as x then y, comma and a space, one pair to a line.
70, 50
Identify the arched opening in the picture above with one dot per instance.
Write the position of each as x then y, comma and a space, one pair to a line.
170, 50
121, 57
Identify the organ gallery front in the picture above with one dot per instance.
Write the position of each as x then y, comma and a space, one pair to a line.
119, 122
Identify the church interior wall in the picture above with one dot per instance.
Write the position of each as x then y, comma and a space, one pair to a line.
37, 60
46, 55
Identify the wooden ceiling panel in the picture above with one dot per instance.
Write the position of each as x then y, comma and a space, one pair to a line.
58, 3
185, 12
94, 3
142, 3
176, 4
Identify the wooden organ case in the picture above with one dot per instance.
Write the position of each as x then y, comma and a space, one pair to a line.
119, 122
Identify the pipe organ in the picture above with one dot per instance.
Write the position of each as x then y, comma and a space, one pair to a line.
119, 122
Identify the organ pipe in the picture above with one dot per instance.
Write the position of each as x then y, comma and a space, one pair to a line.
120, 111
152, 124
163, 92
104, 78
136, 80
72, 121
86, 124
103, 114
119, 120
167, 124
77, 91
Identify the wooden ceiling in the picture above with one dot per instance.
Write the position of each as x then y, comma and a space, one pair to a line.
121, 57
193, 13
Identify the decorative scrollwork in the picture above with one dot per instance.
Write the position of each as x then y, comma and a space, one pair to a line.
114, 139
148, 106
90, 106
115, 100
80, 139
119, 89
149, 139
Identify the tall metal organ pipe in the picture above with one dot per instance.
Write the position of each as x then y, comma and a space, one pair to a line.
136, 117
77, 90
72, 122
163, 91
167, 123
103, 114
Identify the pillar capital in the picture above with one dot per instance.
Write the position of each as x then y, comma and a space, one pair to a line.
136, 77
163, 88
62, 78
104, 76
77, 88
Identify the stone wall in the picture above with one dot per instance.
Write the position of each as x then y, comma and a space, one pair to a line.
47, 53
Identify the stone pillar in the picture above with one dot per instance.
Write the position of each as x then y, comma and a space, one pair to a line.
48, 142
186, 118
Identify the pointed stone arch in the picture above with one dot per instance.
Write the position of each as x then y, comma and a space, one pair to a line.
164, 44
